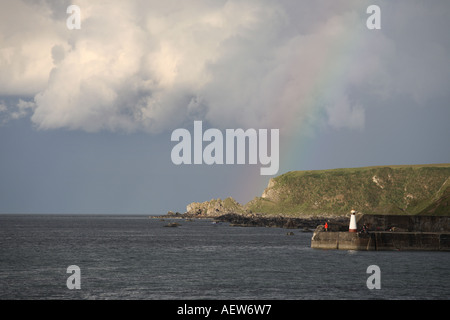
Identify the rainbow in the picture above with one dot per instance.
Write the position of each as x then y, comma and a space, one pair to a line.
331, 81
332, 68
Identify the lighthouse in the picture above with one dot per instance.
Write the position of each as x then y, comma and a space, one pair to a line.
352, 226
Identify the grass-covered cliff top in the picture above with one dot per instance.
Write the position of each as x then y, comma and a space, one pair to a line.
402, 189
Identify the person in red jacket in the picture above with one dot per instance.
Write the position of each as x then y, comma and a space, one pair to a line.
326, 226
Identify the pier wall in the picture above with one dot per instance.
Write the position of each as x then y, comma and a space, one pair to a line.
381, 240
409, 223
388, 232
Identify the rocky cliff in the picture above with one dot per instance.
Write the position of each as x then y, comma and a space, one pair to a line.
418, 189
214, 208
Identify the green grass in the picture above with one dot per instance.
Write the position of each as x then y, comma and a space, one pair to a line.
398, 189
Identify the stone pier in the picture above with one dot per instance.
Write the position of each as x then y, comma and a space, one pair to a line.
389, 233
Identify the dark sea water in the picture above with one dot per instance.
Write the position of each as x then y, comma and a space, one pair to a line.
134, 257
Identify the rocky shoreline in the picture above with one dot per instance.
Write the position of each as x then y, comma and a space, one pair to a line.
307, 224
336, 223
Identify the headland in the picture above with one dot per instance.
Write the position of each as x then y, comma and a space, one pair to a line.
407, 207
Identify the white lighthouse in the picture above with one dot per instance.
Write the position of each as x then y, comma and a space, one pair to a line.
352, 226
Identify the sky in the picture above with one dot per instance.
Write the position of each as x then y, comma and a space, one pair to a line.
86, 114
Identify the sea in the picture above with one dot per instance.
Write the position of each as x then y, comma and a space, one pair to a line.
128, 257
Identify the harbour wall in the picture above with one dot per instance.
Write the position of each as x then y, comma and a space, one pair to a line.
381, 240
406, 223
388, 232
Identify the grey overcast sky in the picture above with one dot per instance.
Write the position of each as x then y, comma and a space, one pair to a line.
86, 115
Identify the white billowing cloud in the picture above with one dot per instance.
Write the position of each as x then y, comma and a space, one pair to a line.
157, 65
25, 37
